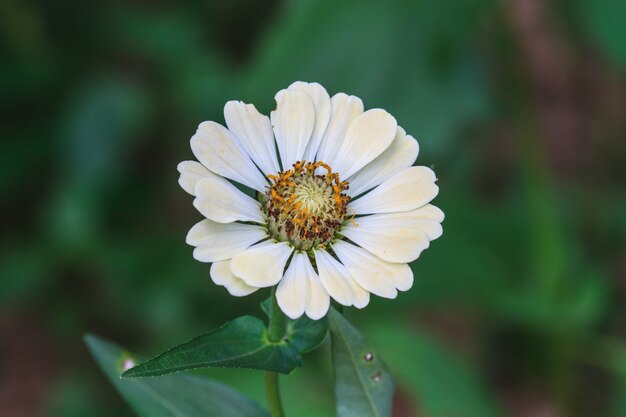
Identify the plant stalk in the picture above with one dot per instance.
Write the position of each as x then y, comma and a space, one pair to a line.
275, 333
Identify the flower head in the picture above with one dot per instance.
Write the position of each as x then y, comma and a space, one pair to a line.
339, 209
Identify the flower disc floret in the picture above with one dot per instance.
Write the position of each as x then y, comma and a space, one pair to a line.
305, 207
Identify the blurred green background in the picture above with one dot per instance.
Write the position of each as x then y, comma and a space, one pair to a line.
520, 106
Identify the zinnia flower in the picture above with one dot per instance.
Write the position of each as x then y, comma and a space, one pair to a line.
339, 208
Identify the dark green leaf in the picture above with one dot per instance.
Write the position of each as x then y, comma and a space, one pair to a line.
363, 385
432, 373
173, 395
241, 343
303, 334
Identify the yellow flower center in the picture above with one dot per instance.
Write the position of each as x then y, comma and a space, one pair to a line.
305, 208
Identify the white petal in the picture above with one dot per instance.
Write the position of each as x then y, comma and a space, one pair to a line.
344, 109
338, 282
222, 202
372, 273
367, 137
291, 293
221, 153
254, 131
190, 173
293, 122
406, 190
218, 241
318, 300
397, 237
321, 102
401, 154
221, 274
263, 264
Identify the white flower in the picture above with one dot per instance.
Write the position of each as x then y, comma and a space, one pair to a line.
340, 210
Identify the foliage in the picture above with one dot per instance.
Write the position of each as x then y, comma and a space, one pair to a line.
176, 395
363, 385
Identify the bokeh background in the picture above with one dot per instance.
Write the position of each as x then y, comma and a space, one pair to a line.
519, 105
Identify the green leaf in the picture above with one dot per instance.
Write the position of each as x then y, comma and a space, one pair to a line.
173, 395
431, 372
241, 343
303, 334
363, 385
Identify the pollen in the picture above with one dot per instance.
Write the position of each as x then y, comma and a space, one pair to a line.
306, 207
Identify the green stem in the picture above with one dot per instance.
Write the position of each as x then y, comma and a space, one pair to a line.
272, 393
275, 333
278, 321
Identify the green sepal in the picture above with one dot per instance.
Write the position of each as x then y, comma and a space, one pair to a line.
303, 333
